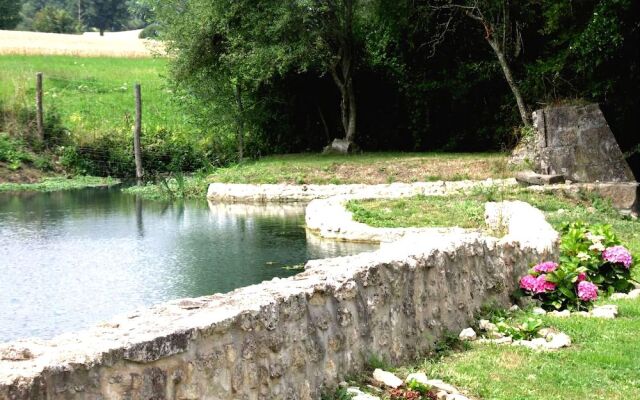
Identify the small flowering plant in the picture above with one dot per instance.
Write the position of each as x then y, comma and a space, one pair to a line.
592, 262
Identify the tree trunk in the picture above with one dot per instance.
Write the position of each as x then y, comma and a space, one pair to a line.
101, 31
524, 115
240, 122
351, 124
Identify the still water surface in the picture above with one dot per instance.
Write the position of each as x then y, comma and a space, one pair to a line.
71, 259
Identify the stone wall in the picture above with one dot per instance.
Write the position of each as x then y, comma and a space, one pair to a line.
288, 338
247, 193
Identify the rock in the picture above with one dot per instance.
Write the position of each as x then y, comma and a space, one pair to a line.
441, 386
576, 141
495, 335
634, 294
387, 378
419, 377
544, 332
607, 311
534, 344
15, 353
538, 311
581, 314
343, 384
442, 395
619, 296
504, 340
456, 396
357, 394
514, 308
560, 314
532, 178
558, 341
468, 335
487, 326
340, 146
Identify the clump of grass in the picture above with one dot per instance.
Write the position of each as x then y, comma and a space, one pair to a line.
174, 187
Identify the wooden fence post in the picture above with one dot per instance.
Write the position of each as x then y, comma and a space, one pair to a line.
39, 107
136, 134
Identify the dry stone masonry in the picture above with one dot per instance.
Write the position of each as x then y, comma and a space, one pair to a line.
288, 338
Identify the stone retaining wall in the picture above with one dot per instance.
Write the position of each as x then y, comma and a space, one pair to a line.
288, 338
246, 193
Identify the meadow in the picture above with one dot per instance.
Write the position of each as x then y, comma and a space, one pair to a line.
93, 96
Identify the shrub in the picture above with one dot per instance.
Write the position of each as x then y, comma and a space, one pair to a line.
592, 261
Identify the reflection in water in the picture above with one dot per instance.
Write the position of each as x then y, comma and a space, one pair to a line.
71, 259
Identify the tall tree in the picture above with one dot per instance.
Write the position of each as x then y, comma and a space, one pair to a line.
501, 30
106, 14
9, 13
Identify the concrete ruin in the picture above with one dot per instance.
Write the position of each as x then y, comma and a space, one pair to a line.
576, 142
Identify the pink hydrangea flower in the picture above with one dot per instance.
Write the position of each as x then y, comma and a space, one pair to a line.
582, 277
547, 266
528, 282
587, 291
617, 254
543, 286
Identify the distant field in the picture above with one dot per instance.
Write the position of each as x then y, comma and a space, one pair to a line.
94, 96
116, 44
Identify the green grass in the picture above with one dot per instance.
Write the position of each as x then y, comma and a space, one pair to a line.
421, 211
368, 168
94, 96
603, 361
58, 183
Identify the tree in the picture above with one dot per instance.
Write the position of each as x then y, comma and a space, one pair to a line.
54, 20
500, 30
9, 13
106, 14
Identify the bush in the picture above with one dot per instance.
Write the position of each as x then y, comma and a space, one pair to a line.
150, 32
592, 261
12, 152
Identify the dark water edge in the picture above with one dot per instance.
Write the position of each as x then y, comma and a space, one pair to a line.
73, 258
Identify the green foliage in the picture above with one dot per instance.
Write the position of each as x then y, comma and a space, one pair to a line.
526, 329
54, 20
12, 152
582, 262
9, 14
150, 32
418, 387
581, 249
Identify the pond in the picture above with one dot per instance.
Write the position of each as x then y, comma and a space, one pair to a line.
71, 259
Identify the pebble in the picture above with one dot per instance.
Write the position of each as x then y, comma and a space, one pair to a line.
486, 325
514, 308
538, 311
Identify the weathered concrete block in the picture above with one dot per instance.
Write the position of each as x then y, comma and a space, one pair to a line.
532, 178
576, 141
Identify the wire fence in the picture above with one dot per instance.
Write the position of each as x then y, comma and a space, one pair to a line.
96, 119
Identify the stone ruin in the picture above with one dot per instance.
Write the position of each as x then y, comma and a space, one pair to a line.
576, 142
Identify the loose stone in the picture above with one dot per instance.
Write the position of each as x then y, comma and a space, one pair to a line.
419, 377
441, 386
357, 394
607, 311
387, 378
538, 311
468, 335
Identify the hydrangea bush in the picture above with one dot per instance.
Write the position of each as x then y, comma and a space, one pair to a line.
592, 263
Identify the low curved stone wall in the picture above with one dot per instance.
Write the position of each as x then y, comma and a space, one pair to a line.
246, 193
288, 338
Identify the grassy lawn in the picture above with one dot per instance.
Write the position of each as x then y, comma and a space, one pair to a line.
93, 96
603, 361
58, 183
370, 168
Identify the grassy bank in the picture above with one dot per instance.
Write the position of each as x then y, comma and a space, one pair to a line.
52, 184
93, 96
601, 364
369, 168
